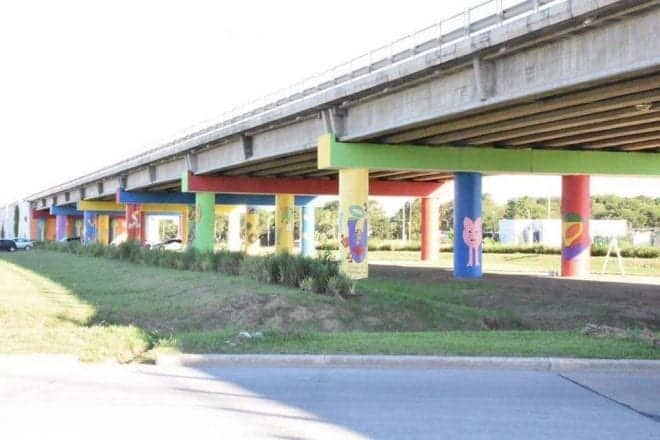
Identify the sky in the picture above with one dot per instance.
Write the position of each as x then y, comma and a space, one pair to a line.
86, 84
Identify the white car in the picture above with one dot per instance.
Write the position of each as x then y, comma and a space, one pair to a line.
23, 244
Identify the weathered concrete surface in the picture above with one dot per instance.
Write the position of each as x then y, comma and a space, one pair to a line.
566, 47
63, 400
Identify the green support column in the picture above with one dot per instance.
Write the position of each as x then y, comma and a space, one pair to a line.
204, 240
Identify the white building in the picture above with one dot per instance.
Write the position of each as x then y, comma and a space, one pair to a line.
7, 219
547, 232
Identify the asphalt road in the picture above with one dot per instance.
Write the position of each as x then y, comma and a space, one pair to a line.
46, 398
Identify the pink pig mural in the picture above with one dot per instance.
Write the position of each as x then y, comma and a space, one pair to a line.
472, 235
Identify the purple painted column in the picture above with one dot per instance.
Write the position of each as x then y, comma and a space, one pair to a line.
61, 224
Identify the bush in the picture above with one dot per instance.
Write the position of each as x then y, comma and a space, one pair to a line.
255, 268
229, 262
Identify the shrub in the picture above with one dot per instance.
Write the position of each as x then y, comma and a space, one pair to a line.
255, 268
341, 285
229, 262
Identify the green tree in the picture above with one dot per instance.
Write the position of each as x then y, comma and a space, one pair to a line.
529, 207
326, 221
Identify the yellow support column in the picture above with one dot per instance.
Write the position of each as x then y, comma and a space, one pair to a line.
354, 222
251, 231
284, 206
104, 229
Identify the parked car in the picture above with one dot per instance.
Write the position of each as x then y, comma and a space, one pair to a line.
68, 239
174, 244
8, 245
23, 243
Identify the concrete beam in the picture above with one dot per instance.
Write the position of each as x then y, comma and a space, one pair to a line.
340, 155
272, 185
163, 197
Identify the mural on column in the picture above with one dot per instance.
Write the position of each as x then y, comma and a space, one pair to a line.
133, 222
472, 235
355, 237
192, 220
251, 231
284, 225
574, 236
90, 228
60, 227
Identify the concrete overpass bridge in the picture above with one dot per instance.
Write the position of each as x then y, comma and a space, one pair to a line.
568, 87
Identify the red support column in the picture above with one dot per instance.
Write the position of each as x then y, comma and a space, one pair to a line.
575, 214
430, 245
134, 221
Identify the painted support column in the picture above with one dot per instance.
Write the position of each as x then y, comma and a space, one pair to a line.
307, 231
90, 227
41, 229
61, 223
575, 214
251, 231
103, 229
183, 225
234, 230
354, 222
134, 221
430, 226
284, 206
467, 225
204, 240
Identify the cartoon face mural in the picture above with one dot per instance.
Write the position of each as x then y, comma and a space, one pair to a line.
574, 236
472, 236
358, 234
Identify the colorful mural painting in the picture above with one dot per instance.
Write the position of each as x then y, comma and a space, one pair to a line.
353, 222
467, 225
89, 227
134, 219
251, 231
284, 214
472, 237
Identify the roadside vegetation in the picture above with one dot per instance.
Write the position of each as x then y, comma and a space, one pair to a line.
53, 302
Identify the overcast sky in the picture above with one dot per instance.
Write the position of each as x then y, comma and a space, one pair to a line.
85, 84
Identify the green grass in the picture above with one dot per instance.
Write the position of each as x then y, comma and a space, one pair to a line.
97, 308
460, 343
649, 267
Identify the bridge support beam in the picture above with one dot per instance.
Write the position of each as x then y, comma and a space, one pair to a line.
90, 227
284, 214
251, 231
307, 231
467, 225
354, 222
575, 214
204, 240
430, 244
134, 222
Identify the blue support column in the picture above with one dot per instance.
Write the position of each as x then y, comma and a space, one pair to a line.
307, 242
90, 227
467, 225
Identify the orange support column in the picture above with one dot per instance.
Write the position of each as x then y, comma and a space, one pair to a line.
575, 214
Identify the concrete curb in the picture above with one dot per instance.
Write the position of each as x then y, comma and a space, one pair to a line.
384, 361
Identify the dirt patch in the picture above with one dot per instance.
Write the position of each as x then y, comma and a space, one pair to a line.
546, 302
252, 311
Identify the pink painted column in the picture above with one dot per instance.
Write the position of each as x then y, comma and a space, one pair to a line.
575, 214
430, 245
134, 220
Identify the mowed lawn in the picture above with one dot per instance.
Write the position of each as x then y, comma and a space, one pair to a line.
528, 263
98, 308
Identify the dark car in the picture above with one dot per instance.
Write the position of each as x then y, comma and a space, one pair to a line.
8, 245
68, 239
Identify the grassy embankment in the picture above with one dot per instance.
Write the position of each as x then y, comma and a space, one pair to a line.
98, 308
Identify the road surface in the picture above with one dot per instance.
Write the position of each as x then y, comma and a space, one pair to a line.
59, 399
